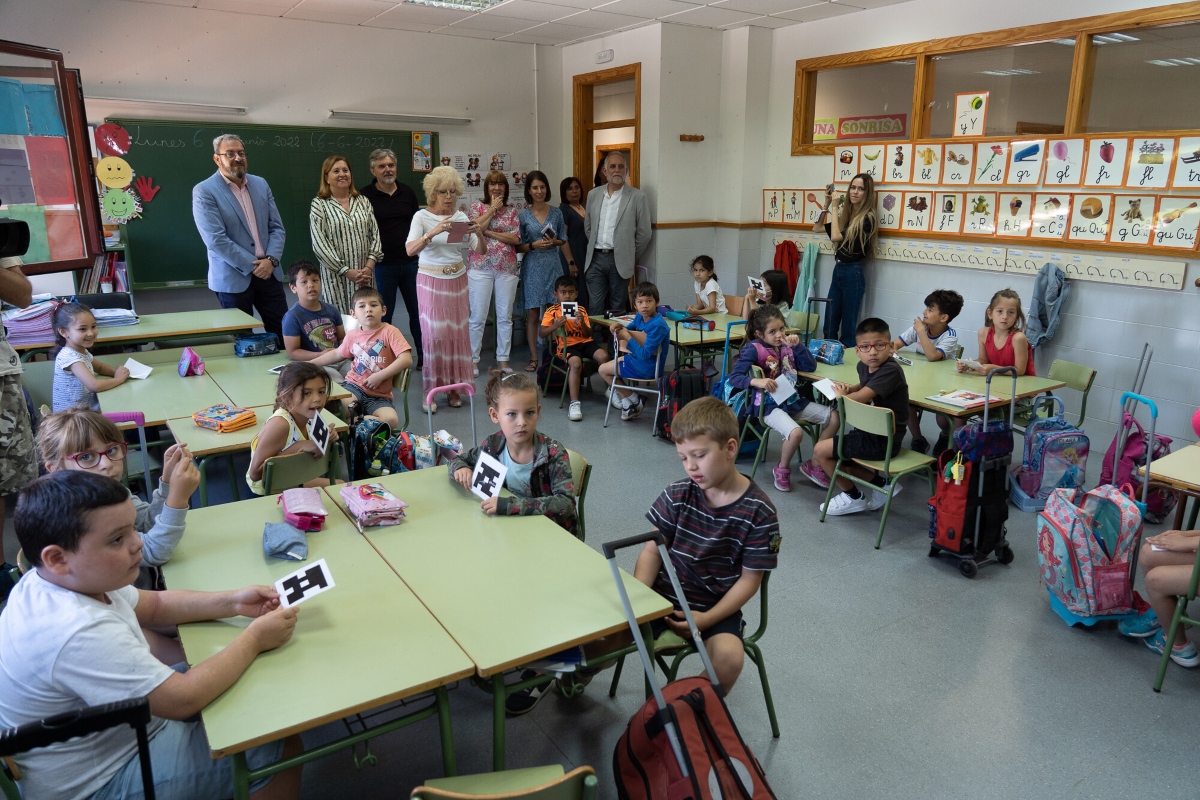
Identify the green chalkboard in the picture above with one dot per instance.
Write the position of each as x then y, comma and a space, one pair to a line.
164, 250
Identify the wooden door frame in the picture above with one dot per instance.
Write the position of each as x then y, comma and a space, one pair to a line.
584, 125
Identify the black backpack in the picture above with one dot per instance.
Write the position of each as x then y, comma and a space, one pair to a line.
679, 388
366, 440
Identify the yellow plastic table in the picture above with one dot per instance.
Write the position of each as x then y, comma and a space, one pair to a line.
163, 327
365, 643
1179, 471
509, 590
163, 395
250, 382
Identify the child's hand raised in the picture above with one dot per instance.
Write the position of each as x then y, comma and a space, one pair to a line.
463, 476
791, 340
185, 477
171, 457
489, 505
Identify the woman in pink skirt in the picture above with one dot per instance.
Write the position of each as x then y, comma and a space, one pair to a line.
442, 285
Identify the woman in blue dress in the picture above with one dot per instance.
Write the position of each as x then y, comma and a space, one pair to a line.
542, 232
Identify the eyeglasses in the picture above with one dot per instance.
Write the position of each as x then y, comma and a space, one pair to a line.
233, 155
447, 192
89, 460
878, 347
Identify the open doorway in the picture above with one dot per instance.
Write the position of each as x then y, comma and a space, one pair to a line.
607, 117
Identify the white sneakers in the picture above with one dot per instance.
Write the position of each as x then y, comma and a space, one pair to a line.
575, 412
842, 503
879, 499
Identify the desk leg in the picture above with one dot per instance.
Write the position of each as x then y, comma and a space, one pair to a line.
498, 698
233, 478
203, 466
241, 777
443, 708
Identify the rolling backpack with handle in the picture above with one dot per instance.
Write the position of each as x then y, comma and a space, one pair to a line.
1133, 442
1055, 454
682, 744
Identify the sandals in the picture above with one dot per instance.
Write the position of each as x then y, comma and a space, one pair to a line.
454, 400
532, 366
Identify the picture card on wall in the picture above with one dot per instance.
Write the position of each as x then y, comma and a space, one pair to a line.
1051, 216
960, 164
1105, 162
1089, 218
1025, 162
970, 114
1133, 219
889, 205
871, 158
845, 163
1150, 163
1064, 162
1187, 164
814, 203
927, 164
899, 162
772, 208
1176, 222
1014, 214
947, 212
979, 216
915, 216
792, 203
991, 161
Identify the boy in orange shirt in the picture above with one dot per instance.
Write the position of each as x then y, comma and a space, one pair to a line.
579, 344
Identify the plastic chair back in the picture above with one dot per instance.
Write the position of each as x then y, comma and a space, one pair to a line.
872, 419
1075, 376
400, 384
288, 472
581, 474
735, 303
38, 380
578, 784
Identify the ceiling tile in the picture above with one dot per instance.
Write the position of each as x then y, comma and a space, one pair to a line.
409, 14
872, 3
187, 3
599, 20
760, 6
762, 22
647, 9
578, 5
531, 9
265, 8
469, 33
709, 17
818, 11
498, 25
525, 38
349, 11
556, 30
399, 25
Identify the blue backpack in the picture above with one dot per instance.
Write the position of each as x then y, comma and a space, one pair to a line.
1055, 454
368, 438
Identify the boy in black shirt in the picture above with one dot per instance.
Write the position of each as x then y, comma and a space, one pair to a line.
880, 382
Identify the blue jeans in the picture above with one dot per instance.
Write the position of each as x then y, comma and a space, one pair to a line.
403, 276
846, 291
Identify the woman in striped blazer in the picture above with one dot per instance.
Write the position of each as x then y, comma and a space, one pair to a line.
345, 236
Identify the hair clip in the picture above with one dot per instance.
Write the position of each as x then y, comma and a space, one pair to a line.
509, 375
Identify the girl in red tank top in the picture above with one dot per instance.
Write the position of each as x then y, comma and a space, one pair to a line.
1002, 342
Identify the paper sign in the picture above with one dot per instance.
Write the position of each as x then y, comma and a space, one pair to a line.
1014, 214
1051, 214
488, 477
570, 308
1025, 162
825, 387
1064, 162
980, 214
887, 209
1105, 162
1176, 222
137, 370
927, 164
304, 584
970, 114
947, 213
1187, 164
318, 432
845, 163
991, 161
498, 161
1150, 163
915, 216
785, 389
793, 207
772, 208
1089, 217
899, 163
1133, 219
814, 204
959, 166
871, 160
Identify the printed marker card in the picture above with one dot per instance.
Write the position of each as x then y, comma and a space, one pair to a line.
1051, 215
980, 214
871, 160
1150, 163
888, 205
1064, 162
570, 308
1133, 219
899, 163
793, 205
927, 164
488, 477
772, 209
845, 163
814, 203
1025, 162
757, 285
318, 431
1014, 214
1187, 164
1176, 222
916, 211
947, 213
1089, 218
304, 584
991, 162
960, 164
1105, 162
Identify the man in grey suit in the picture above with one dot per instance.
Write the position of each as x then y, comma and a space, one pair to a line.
618, 231
241, 227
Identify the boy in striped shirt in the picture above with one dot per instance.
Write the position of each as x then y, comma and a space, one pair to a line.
721, 531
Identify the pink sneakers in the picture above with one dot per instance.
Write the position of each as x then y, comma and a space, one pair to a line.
783, 478
815, 474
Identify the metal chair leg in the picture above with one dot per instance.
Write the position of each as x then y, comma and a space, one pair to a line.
755, 653
612, 688
1169, 642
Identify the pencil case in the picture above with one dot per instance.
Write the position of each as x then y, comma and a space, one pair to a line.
371, 505
224, 418
827, 351
190, 363
255, 344
303, 508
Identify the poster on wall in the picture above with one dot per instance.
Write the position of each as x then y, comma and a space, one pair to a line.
1187, 164
1176, 222
1014, 214
1025, 162
899, 163
1064, 162
888, 205
498, 161
772, 210
947, 212
927, 164
1105, 162
814, 203
1133, 219
1089, 218
422, 151
991, 163
1051, 215
970, 114
1150, 163
915, 216
960, 164
871, 160
980, 214
845, 163
793, 207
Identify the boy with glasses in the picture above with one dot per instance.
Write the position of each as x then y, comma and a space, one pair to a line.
881, 382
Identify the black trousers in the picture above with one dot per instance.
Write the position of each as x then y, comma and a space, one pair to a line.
264, 294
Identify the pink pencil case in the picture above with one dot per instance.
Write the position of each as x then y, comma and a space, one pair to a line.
303, 508
372, 506
190, 363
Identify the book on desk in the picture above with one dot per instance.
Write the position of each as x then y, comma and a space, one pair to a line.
963, 398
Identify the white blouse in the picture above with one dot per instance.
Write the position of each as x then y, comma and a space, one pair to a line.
439, 252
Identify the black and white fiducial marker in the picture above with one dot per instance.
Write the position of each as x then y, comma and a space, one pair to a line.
318, 431
305, 583
488, 477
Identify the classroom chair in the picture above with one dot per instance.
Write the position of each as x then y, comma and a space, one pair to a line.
670, 643
803, 323
1075, 376
581, 474
879, 421
641, 386
286, 472
729, 346
400, 384
734, 304
755, 426
559, 365
533, 783
1179, 618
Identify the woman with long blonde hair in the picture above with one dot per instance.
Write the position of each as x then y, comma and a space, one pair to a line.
854, 230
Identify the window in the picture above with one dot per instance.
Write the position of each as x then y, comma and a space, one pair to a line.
1027, 87
1144, 79
864, 103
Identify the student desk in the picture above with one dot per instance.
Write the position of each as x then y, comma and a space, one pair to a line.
1180, 472
509, 590
207, 444
163, 395
366, 643
685, 339
249, 381
163, 327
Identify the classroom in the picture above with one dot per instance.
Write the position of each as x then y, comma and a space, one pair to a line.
1023, 146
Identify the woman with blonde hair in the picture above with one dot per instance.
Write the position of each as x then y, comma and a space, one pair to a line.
854, 230
345, 235
442, 291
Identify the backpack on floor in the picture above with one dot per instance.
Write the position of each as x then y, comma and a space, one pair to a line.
397, 454
1055, 455
984, 444
366, 439
557, 379
1085, 541
1133, 455
678, 389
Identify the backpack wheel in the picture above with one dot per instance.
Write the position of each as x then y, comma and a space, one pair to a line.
1004, 554
968, 568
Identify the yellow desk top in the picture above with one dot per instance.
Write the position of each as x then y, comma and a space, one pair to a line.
181, 323
205, 442
1180, 468
250, 382
366, 642
163, 395
508, 589
691, 337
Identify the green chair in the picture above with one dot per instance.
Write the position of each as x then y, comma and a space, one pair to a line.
1179, 618
286, 472
581, 474
534, 783
559, 365
755, 427
1075, 376
400, 384
879, 421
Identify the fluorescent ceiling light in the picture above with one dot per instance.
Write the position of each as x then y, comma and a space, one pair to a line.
190, 106
1114, 38
1158, 62
384, 116
1067, 42
1007, 72
457, 5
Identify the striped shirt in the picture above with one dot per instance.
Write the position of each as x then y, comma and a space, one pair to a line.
342, 241
710, 547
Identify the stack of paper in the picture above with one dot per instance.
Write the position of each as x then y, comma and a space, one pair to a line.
112, 317
224, 418
31, 325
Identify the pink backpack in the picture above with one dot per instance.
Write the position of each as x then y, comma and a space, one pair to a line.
303, 509
1133, 455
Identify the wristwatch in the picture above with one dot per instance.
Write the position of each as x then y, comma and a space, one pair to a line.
570, 263
274, 261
